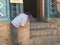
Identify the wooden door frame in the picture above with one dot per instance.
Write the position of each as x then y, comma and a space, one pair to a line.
40, 10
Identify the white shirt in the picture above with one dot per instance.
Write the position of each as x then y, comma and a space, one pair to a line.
20, 20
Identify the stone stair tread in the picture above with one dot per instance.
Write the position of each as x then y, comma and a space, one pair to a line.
39, 25
41, 22
43, 29
46, 40
35, 23
46, 37
46, 44
39, 33
57, 44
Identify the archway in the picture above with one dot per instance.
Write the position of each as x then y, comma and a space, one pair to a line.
36, 7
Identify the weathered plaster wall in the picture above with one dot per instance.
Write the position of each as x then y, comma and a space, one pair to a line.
5, 34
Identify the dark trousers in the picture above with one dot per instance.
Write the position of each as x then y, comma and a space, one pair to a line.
14, 32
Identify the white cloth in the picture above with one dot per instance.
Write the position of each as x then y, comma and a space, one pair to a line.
20, 20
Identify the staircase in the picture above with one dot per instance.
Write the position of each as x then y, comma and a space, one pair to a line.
44, 34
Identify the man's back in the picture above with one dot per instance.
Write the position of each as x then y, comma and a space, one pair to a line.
20, 20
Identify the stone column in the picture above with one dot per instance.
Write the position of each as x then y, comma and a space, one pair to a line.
39, 10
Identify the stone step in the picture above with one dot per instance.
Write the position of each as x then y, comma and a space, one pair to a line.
56, 44
39, 33
50, 40
47, 44
41, 25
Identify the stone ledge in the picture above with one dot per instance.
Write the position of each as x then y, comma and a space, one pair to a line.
45, 40
39, 25
42, 33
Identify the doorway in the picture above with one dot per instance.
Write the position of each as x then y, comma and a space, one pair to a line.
30, 5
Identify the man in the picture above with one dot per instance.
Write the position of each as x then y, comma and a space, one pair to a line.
19, 21
58, 5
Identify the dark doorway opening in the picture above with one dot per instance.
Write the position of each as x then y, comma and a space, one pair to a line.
30, 5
